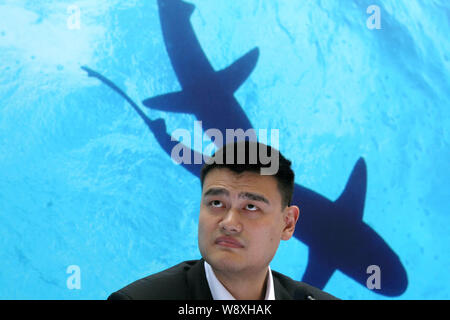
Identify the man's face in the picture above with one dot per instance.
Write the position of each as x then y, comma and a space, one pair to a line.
241, 221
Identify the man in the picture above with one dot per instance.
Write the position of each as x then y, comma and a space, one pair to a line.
244, 214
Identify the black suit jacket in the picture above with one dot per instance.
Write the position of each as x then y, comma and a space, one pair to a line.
187, 281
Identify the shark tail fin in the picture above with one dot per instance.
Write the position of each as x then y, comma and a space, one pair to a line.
353, 197
186, 6
235, 75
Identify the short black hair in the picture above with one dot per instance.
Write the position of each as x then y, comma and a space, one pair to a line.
253, 162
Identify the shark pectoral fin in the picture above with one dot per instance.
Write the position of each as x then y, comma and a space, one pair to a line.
235, 75
317, 272
353, 197
171, 102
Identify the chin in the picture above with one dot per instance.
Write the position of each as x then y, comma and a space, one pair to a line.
226, 261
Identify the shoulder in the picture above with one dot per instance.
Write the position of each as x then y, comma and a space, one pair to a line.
298, 290
169, 284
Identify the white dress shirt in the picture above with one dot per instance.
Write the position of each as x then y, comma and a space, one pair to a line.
219, 292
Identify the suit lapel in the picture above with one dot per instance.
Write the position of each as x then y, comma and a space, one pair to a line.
280, 292
198, 287
197, 284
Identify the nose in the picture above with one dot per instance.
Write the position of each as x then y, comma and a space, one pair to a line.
230, 223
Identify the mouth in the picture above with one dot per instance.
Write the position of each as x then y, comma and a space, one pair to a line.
228, 242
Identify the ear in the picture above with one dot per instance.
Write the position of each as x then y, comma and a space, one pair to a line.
290, 216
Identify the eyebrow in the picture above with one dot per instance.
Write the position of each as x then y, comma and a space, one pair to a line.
242, 195
254, 197
216, 192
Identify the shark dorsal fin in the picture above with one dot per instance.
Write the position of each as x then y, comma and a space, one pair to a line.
353, 197
235, 75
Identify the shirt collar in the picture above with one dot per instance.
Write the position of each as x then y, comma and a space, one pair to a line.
219, 292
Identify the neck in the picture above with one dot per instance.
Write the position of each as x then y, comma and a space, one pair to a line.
245, 287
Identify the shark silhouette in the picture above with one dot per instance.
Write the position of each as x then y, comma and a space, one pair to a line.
334, 231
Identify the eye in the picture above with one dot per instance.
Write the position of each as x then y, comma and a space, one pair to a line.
216, 204
251, 207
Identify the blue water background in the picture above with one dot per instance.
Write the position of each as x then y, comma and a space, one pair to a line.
84, 182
